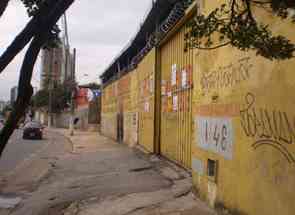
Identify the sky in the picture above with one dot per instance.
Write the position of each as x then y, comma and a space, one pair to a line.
98, 29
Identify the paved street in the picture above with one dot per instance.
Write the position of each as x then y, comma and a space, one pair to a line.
19, 150
90, 175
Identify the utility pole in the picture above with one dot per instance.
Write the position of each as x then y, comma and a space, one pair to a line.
73, 88
70, 65
50, 89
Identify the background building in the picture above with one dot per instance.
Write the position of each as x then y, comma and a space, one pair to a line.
57, 64
13, 95
68, 58
51, 66
58, 68
88, 107
2, 105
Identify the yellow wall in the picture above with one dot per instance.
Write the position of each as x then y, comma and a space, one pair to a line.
109, 110
121, 97
134, 99
244, 119
238, 113
146, 79
129, 100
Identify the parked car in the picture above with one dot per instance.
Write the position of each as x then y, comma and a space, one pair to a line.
33, 130
1, 124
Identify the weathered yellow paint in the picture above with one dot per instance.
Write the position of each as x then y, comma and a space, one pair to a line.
109, 110
176, 100
127, 106
130, 110
146, 79
120, 100
257, 97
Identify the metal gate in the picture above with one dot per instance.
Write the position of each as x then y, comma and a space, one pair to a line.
176, 99
146, 76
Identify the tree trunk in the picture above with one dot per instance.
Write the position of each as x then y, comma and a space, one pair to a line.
25, 89
25, 92
44, 20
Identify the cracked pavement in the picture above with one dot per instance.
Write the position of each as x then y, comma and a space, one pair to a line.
90, 174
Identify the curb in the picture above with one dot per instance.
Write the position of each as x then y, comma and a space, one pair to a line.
67, 137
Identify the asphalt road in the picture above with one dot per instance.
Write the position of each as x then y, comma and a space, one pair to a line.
18, 150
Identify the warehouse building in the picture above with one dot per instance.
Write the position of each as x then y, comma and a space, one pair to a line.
224, 115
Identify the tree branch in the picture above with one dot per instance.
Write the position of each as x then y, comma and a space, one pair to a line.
37, 25
3, 6
236, 23
25, 89
261, 2
25, 92
250, 15
214, 47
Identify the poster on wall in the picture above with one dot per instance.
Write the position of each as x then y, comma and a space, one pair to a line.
151, 84
164, 104
175, 103
146, 106
215, 134
146, 87
169, 90
183, 78
174, 74
163, 88
141, 88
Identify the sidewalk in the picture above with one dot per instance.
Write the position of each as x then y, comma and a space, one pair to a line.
99, 176
176, 199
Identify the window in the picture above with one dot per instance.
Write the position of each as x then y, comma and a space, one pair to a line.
212, 169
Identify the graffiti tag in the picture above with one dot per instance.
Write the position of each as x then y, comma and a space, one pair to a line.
272, 128
227, 76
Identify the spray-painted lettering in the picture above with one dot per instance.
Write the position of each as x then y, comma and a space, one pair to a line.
227, 76
273, 128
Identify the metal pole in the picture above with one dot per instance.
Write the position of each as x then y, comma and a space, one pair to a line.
50, 87
73, 66
72, 115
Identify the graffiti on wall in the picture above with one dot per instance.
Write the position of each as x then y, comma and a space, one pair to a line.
227, 76
271, 128
215, 134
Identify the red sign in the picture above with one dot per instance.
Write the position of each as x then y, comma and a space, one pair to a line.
81, 98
